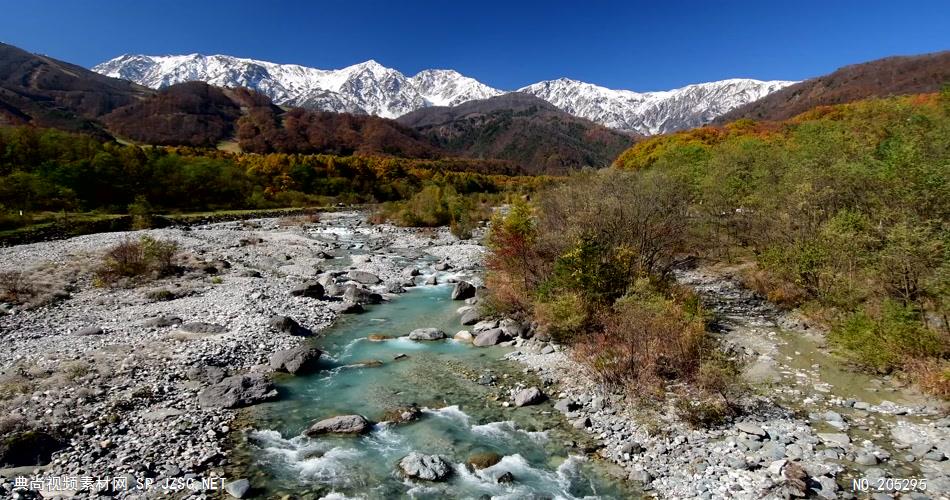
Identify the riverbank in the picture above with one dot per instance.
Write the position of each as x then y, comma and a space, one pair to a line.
126, 381
809, 427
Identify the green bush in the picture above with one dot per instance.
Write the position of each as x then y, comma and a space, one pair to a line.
886, 340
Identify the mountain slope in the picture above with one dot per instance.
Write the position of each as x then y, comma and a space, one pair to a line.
367, 88
370, 88
192, 114
50, 93
521, 128
883, 77
652, 113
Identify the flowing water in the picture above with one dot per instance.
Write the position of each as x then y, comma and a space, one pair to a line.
460, 417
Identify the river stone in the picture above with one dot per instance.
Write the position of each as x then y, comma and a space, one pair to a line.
341, 424
481, 326
512, 328
298, 270
351, 308
432, 280
866, 459
752, 429
566, 406
506, 478
161, 322
483, 460
463, 290
287, 324
311, 289
427, 467
490, 337
90, 330
297, 360
838, 439
363, 277
471, 316
238, 391
442, 266
237, 489
426, 334
464, 336
529, 396
354, 293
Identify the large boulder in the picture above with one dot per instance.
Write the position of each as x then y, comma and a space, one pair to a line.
471, 316
426, 467
354, 293
363, 277
490, 337
238, 391
463, 290
298, 360
287, 324
311, 289
529, 396
348, 307
341, 424
512, 328
426, 334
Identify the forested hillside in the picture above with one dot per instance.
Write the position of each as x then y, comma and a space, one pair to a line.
843, 211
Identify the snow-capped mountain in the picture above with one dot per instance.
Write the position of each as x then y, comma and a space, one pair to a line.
653, 112
372, 88
367, 87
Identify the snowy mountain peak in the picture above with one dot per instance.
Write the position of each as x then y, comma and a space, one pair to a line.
371, 88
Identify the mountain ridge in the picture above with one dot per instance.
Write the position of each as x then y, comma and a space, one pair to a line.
371, 88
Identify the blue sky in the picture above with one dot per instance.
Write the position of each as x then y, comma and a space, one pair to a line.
625, 44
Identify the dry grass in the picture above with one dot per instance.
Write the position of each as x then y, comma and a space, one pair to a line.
931, 375
779, 292
15, 287
133, 259
299, 220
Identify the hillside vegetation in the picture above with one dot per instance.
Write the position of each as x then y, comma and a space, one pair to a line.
844, 210
48, 170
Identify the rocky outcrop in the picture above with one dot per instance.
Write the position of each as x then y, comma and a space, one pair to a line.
463, 290
490, 337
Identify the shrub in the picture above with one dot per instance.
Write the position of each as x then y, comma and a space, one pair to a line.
15, 286
141, 211
647, 340
705, 412
883, 340
132, 259
564, 316
931, 375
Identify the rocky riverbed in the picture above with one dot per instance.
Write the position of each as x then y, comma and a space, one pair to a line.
142, 382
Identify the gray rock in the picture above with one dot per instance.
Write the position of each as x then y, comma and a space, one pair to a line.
490, 338
471, 316
363, 277
547, 349
512, 328
238, 391
641, 476
237, 489
432, 280
529, 396
866, 459
442, 266
161, 322
298, 360
464, 336
920, 449
341, 424
351, 308
354, 293
202, 328
838, 439
394, 287
426, 334
206, 374
288, 325
310, 289
566, 406
481, 326
426, 467
752, 429
463, 290
90, 330
861, 405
